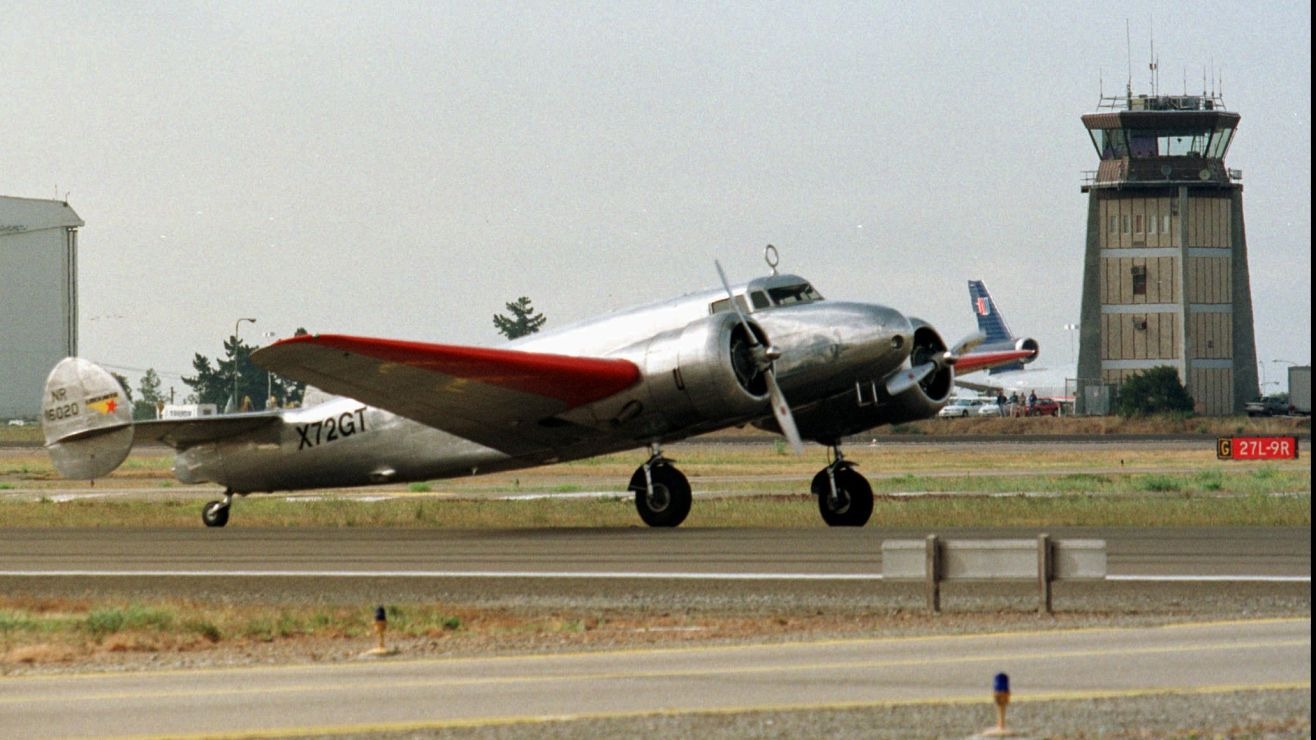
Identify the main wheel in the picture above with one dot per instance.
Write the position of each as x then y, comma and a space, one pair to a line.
853, 504
215, 514
669, 504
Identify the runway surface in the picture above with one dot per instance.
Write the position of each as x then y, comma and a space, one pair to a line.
1218, 573
787, 554
1202, 659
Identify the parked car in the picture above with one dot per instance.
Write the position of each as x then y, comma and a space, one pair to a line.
961, 407
1268, 406
1045, 407
17, 423
991, 408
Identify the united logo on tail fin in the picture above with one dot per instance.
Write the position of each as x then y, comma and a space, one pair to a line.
990, 321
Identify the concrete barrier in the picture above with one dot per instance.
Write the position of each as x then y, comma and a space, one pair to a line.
935, 560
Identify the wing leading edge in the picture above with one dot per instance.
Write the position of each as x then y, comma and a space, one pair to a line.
496, 397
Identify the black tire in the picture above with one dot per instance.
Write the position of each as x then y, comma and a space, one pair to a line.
670, 503
215, 514
854, 503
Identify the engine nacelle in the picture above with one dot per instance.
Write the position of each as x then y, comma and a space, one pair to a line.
701, 374
926, 398
1027, 344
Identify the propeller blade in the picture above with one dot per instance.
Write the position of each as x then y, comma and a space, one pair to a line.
782, 411
753, 340
908, 378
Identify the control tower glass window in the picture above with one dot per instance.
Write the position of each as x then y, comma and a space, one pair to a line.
1220, 143
1139, 143
1110, 143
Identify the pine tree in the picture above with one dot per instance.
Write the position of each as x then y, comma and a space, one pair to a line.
1154, 391
149, 390
523, 319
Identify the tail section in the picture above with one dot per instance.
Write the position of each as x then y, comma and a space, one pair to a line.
86, 418
991, 322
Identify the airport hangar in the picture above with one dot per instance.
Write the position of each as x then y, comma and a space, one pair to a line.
38, 298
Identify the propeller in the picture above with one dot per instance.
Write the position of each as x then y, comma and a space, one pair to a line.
763, 358
912, 376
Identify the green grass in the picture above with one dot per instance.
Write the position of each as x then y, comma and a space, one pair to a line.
1154, 501
162, 623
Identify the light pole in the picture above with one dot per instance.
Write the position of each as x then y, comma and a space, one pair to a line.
233, 401
269, 381
1071, 328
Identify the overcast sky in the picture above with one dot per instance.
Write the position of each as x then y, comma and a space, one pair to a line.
404, 169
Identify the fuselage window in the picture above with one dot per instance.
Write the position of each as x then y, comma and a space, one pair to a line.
725, 305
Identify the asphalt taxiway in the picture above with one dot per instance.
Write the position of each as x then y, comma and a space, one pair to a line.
535, 691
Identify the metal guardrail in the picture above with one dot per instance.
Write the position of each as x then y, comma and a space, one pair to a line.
935, 560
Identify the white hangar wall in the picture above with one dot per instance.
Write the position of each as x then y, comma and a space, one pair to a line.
38, 298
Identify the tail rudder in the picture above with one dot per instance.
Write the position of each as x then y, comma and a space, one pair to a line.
86, 419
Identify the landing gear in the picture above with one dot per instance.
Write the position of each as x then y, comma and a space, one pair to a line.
215, 513
662, 493
844, 497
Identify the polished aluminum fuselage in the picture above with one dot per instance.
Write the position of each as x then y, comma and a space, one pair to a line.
834, 357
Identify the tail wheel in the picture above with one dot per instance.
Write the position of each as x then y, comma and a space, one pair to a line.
853, 504
215, 514
669, 502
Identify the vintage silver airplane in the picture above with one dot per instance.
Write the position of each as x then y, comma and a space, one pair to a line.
408, 411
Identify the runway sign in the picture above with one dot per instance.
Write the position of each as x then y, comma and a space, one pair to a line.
1256, 448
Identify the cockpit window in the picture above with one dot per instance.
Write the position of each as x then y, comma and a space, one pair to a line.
760, 299
790, 294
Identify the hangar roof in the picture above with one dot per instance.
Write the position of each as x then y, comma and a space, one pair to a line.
21, 215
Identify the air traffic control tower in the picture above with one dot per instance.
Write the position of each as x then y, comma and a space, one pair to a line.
1165, 270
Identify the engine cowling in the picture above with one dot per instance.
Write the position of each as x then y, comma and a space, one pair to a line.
704, 373
925, 398
1027, 344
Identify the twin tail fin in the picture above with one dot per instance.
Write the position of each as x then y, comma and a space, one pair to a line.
86, 418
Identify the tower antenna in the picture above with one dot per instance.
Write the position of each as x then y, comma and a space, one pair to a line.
1128, 55
1151, 57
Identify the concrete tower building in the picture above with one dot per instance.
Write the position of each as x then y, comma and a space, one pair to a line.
1165, 270
38, 298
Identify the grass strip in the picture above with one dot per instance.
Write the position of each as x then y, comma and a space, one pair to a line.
1141, 508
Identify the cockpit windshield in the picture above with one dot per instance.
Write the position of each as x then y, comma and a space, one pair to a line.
764, 294
786, 295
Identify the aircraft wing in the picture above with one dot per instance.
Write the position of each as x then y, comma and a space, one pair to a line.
979, 387
974, 361
500, 398
183, 433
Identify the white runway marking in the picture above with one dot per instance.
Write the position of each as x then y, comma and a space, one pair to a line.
685, 576
1256, 579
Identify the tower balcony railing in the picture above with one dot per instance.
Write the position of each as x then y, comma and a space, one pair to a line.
1096, 178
